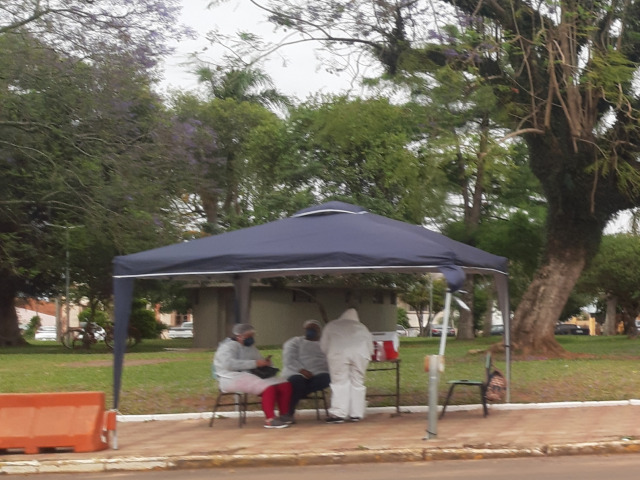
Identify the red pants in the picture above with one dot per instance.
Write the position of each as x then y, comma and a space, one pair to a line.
280, 394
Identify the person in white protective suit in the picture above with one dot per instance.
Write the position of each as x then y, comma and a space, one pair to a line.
235, 356
348, 345
304, 364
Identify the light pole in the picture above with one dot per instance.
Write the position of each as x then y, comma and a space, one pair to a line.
64, 325
66, 280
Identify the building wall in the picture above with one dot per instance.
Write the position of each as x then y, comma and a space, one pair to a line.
211, 308
278, 314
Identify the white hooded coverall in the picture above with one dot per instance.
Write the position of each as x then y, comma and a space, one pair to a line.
348, 345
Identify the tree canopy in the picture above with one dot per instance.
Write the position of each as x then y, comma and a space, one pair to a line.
82, 140
563, 76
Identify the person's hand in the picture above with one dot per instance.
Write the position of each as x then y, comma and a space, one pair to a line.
263, 362
306, 373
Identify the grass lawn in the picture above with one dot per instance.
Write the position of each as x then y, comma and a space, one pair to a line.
167, 376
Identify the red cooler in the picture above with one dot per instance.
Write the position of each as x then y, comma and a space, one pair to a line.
390, 344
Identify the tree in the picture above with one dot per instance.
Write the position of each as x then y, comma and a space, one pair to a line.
615, 273
563, 74
243, 84
220, 160
363, 151
426, 293
79, 128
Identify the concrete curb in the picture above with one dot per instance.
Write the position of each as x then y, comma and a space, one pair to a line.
303, 459
404, 409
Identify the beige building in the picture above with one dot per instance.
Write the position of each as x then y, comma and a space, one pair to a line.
278, 313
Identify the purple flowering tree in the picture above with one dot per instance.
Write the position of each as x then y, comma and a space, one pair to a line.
87, 150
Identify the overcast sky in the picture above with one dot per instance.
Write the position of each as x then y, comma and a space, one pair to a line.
294, 70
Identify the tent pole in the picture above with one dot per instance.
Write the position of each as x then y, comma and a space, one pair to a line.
242, 287
445, 322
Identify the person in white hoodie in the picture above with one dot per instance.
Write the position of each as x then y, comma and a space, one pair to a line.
348, 345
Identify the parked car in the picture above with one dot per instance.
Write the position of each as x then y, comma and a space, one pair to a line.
47, 333
570, 329
401, 331
497, 329
436, 331
183, 331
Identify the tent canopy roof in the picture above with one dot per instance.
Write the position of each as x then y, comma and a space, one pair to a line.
332, 238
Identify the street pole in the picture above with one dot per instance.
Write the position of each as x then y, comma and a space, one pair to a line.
66, 283
64, 323
435, 363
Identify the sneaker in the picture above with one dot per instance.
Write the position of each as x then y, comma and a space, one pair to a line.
334, 420
288, 419
275, 423
355, 419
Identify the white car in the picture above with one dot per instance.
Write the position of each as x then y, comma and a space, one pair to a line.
401, 331
46, 333
183, 331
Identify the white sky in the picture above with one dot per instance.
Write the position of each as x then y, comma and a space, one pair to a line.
295, 70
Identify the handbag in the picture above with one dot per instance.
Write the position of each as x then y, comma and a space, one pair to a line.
496, 387
265, 372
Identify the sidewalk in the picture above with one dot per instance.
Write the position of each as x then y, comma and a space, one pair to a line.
186, 441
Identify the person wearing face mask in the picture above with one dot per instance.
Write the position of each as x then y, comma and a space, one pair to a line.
304, 365
235, 356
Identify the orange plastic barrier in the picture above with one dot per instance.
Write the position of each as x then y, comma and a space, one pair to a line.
68, 420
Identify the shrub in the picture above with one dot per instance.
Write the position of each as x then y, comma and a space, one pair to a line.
145, 321
34, 324
99, 317
402, 318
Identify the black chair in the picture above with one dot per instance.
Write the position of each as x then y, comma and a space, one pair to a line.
240, 402
316, 397
481, 384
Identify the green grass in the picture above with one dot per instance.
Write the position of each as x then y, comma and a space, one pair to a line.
167, 376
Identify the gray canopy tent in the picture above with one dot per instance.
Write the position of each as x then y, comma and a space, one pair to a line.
332, 238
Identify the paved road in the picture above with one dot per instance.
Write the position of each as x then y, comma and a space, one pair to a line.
620, 467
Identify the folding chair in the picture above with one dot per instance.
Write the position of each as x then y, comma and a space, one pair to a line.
240, 402
482, 385
316, 397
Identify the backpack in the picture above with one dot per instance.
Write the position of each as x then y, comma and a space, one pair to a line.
496, 387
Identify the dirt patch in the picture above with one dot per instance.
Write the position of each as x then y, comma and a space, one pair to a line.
127, 363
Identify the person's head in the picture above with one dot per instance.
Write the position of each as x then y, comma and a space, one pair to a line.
350, 314
244, 333
312, 330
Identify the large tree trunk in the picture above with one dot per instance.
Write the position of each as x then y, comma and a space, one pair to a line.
465, 323
487, 321
611, 319
9, 329
578, 211
210, 206
542, 303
